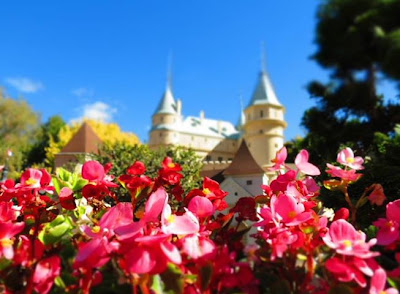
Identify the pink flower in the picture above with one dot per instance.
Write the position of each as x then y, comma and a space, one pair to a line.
45, 272
150, 254
344, 238
378, 283
351, 268
280, 239
345, 175
377, 196
97, 251
7, 232
93, 171
179, 224
201, 206
31, 178
199, 246
346, 157
389, 226
304, 166
286, 209
279, 160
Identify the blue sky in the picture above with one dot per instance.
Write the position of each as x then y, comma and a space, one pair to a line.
109, 58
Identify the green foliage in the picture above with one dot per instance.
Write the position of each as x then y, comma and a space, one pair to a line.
18, 127
68, 179
48, 132
55, 230
359, 41
123, 155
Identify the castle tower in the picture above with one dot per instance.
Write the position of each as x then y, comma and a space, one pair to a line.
165, 119
264, 126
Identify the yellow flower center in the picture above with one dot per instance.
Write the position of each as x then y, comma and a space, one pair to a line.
292, 214
171, 165
96, 229
171, 218
31, 182
350, 160
206, 191
347, 243
6, 242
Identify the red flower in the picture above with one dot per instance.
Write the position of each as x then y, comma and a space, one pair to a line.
45, 272
137, 169
67, 199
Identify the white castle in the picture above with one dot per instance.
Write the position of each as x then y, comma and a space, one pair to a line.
261, 126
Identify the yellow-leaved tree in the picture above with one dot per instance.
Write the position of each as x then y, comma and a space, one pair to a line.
109, 133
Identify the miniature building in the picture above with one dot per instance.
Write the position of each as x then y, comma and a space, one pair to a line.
243, 177
85, 141
216, 141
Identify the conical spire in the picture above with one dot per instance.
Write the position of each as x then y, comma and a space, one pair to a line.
167, 103
242, 119
264, 92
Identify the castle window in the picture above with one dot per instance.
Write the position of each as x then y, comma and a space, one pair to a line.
276, 145
160, 134
261, 131
249, 182
236, 193
161, 119
220, 158
208, 158
261, 113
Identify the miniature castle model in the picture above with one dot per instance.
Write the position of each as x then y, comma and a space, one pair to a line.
261, 126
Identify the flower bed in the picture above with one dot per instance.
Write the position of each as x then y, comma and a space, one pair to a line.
71, 233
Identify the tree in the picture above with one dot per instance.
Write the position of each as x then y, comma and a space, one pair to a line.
110, 134
48, 132
18, 125
122, 155
359, 42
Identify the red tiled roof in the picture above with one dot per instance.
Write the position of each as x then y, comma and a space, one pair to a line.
243, 163
84, 141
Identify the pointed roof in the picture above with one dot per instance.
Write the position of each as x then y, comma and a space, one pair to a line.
84, 141
264, 92
167, 103
243, 163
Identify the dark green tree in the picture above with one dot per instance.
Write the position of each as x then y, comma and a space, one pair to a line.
36, 154
359, 42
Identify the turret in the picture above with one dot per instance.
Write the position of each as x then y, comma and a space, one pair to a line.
264, 126
165, 119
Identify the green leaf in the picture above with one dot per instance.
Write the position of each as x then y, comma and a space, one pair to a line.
55, 230
57, 184
59, 282
173, 280
78, 184
63, 174
157, 285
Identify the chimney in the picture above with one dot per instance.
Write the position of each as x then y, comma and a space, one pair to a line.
179, 106
201, 116
219, 126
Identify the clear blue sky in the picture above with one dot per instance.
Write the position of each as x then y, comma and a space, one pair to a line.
109, 58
